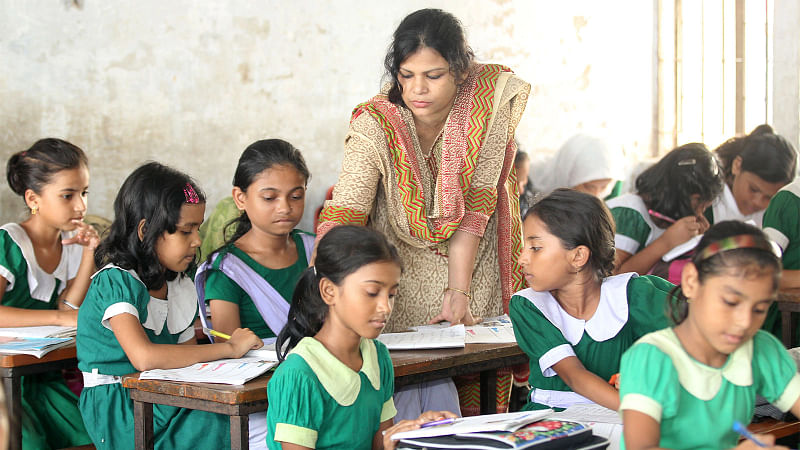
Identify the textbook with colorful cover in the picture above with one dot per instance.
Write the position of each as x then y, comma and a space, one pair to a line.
37, 347
540, 435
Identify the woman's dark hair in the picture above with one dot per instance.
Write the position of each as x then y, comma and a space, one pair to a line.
432, 28
577, 218
743, 262
256, 158
668, 185
342, 251
764, 153
154, 193
35, 167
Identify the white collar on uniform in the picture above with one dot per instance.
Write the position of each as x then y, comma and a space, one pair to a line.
178, 311
340, 381
698, 379
609, 318
40, 283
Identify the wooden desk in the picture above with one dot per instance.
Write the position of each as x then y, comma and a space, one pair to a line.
775, 427
238, 401
788, 303
13, 367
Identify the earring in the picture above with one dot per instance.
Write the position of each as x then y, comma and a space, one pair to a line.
34, 210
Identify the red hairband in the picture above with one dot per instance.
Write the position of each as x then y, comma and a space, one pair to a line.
190, 195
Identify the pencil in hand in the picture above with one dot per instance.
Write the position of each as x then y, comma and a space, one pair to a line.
215, 333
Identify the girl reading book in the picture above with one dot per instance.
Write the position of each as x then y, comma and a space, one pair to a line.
334, 387
140, 309
705, 371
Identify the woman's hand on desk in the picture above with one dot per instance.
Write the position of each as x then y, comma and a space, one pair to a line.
455, 309
243, 340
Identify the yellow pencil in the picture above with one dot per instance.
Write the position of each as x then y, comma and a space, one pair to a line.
215, 333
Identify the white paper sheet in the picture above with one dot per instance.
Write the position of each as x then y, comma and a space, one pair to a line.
436, 337
46, 331
223, 371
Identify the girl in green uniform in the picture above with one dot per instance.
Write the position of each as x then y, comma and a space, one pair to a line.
45, 265
667, 208
334, 386
249, 281
684, 387
782, 225
575, 321
140, 305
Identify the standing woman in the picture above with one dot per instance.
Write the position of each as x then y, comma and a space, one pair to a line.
429, 162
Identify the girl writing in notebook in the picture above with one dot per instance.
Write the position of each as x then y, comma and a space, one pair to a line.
667, 208
575, 320
756, 167
334, 386
249, 281
45, 265
140, 309
685, 386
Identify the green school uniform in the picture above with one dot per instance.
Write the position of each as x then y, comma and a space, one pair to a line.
635, 230
50, 416
782, 225
105, 404
220, 287
316, 401
630, 307
696, 404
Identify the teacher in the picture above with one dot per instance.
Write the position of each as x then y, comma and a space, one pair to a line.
429, 162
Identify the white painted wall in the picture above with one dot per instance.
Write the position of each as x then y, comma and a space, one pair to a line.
192, 83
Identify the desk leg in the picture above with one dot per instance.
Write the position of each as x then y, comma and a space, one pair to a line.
143, 425
13, 390
240, 432
489, 392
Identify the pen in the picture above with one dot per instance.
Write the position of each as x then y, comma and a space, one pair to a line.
741, 429
69, 304
215, 333
658, 215
437, 422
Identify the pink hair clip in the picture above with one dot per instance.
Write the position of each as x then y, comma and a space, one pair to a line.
190, 194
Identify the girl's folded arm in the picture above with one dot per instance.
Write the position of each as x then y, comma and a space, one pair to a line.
586, 383
21, 317
145, 355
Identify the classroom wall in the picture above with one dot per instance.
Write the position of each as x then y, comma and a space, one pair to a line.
192, 83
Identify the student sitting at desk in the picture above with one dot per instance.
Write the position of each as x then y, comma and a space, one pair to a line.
140, 309
575, 321
334, 386
45, 265
684, 387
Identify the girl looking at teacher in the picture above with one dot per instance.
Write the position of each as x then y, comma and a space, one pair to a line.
334, 386
140, 309
45, 265
575, 320
704, 373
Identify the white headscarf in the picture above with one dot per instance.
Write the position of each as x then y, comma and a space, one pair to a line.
582, 158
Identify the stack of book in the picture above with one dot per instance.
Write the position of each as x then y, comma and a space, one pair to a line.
35, 341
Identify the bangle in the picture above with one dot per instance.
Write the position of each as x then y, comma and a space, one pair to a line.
467, 294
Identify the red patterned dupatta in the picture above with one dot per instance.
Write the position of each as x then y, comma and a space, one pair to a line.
458, 204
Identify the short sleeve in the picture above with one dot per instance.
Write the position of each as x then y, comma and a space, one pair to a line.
12, 264
647, 304
220, 287
649, 382
294, 405
632, 230
782, 225
116, 291
388, 411
542, 341
774, 371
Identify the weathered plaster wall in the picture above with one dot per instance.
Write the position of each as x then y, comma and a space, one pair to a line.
192, 83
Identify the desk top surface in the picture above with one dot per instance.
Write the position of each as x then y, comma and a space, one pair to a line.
407, 362
59, 354
789, 295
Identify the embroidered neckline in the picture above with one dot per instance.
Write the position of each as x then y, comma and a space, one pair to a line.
609, 318
178, 310
700, 380
340, 381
